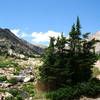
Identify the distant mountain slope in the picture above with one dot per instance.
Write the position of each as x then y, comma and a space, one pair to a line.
9, 41
97, 37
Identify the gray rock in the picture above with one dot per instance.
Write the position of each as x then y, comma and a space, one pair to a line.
28, 78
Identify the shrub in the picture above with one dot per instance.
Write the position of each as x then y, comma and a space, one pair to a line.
14, 92
3, 65
14, 98
90, 88
66, 92
18, 68
13, 81
9, 98
29, 88
19, 97
3, 78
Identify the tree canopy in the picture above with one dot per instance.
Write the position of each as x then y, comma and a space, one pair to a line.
68, 61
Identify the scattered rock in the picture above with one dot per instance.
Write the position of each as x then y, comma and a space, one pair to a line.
28, 78
6, 94
85, 98
5, 85
98, 77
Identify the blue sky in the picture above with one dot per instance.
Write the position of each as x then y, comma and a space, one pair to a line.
35, 20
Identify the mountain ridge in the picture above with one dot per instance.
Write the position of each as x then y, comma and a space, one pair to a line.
9, 40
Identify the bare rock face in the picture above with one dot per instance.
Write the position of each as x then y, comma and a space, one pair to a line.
97, 37
97, 64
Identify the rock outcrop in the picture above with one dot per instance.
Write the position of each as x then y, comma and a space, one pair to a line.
10, 43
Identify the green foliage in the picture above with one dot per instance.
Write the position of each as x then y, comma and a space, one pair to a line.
80, 54
29, 88
2, 65
69, 66
9, 98
18, 68
16, 95
3, 91
19, 97
14, 92
9, 63
61, 93
90, 89
98, 56
55, 65
13, 81
47, 68
3, 78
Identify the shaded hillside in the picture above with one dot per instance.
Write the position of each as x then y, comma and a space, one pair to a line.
9, 41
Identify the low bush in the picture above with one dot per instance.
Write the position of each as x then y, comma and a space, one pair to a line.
66, 92
13, 81
3, 78
19, 97
9, 98
14, 98
29, 88
3, 65
90, 88
14, 92
16, 95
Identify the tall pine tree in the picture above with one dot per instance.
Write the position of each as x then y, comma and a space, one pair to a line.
81, 54
71, 65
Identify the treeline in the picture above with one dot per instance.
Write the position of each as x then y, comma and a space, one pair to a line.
67, 62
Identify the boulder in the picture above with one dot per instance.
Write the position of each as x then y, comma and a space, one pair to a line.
20, 77
98, 77
28, 78
7, 94
6, 85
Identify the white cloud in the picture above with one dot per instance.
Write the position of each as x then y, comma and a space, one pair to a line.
44, 37
37, 37
16, 32
19, 33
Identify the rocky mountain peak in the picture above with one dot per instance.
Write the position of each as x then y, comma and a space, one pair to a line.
8, 40
95, 35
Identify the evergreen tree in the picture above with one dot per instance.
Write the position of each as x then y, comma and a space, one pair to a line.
72, 39
55, 72
78, 27
61, 63
71, 65
81, 54
46, 72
